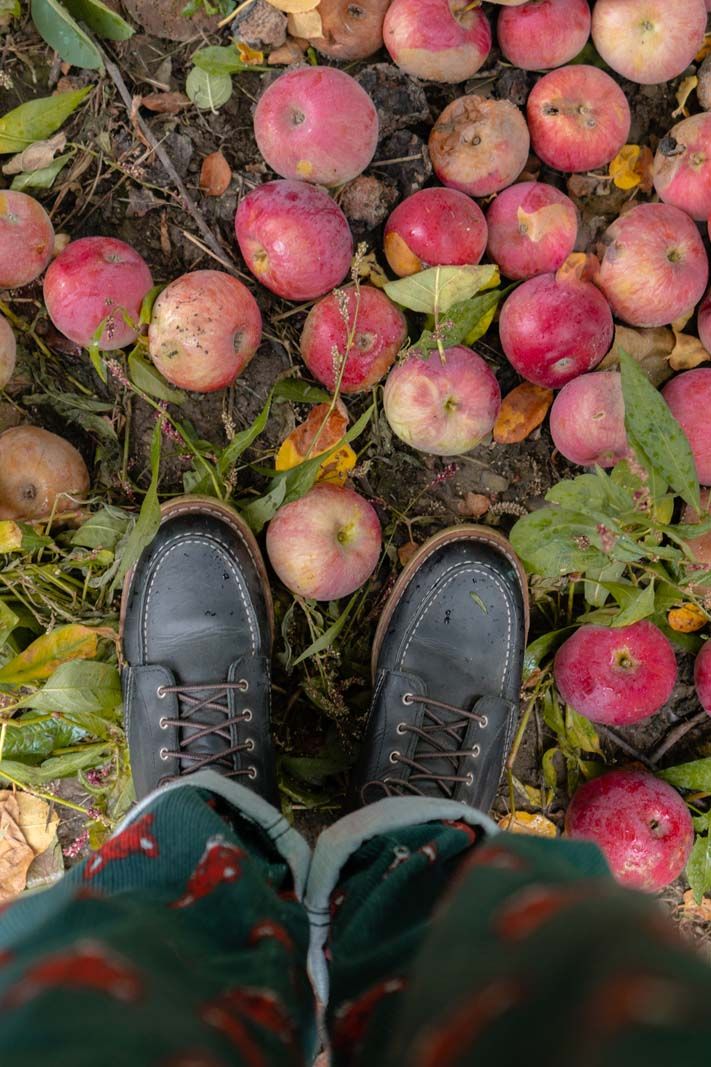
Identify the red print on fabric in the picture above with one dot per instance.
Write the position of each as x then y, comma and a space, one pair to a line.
230, 1012
453, 1036
5, 957
87, 965
525, 912
221, 862
193, 1059
135, 840
268, 930
352, 1018
471, 832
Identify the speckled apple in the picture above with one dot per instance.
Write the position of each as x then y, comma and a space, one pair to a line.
40, 474
689, 398
551, 331
578, 117
350, 29
316, 124
702, 676
434, 227
8, 352
588, 420
26, 239
543, 33
682, 166
655, 267
479, 146
640, 823
294, 238
533, 228
616, 675
326, 544
441, 407
438, 40
97, 280
649, 41
379, 331
205, 328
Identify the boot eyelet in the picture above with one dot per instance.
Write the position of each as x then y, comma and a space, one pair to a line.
247, 714
163, 754
163, 722
476, 751
161, 693
252, 772
394, 757
401, 727
407, 699
484, 722
249, 744
243, 685
470, 779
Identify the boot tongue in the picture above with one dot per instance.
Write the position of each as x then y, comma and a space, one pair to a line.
453, 740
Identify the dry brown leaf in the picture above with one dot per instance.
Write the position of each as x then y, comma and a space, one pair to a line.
305, 24
370, 270
694, 910
521, 412
293, 6
407, 551
15, 854
523, 822
651, 348
580, 267
165, 103
37, 822
36, 156
688, 352
286, 54
682, 95
474, 505
687, 619
251, 56
215, 174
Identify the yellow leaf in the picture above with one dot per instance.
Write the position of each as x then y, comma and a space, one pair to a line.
687, 619
683, 93
306, 24
10, 536
623, 167
525, 823
251, 56
40, 659
318, 434
36, 822
293, 6
688, 352
705, 49
521, 412
371, 271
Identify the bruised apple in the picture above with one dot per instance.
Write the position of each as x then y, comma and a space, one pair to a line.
443, 406
26, 239
588, 420
326, 544
378, 330
8, 352
532, 229
479, 146
40, 473
350, 29
438, 40
432, 228
206, 327
682, 166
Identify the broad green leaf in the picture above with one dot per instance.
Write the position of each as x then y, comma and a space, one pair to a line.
216, 60
148, 520
40, 659
103, 530
329, 636
652, 428
36, 120
437, 289
580, 732
145, 377
208, 91
146, 313
85, 411
552, 542
698, 869
695, 775
63, 766
257, 513
300, 392
30, 740
467, 321
81, 686
553, 716
540, 649
64, 34
550, 771
595, 589
43, 178
641, 606
100, 18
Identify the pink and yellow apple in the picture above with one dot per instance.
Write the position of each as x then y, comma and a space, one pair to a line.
532, 229
479, 146
8, 352
579, 118
294, 238
655, 267
326, 544
97, 280
682, 166
378, 332
443, 406
434, 227
350, 29
689, 398
205, 328
649, 41
438, 40
26, 239
588, 420
316, 124
543, 33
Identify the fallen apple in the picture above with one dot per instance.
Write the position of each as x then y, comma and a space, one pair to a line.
40, 474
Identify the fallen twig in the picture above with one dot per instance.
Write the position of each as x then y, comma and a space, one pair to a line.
676, 733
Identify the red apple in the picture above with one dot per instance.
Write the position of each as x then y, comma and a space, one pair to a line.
294, 238
97, 280
704, 322
434, 227
552, 331
41, 474
8, 352
543, 33
441, 407
316, 124
649, 41
532, 229
26, 239
588, 420
325, 545
479, 145
702, 676
701, 545
616, 675
438, 40
350, 29
579, 118
689, 399
206, 327
682, 166
655, 268
641, 824
379, 331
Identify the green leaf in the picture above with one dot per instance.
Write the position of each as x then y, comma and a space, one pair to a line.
550, 771
698, 869
63, 766
145, 377
104, 529
580, 732
80, 686
467, 321
37, 119
300, 392
32, 740
438, 289
8, 621
208, 91
42, 178
242, 440
148, 521
40, 659
216, 60
314, 769
552, 542
100, 18
329, 636
9, 9
595, 588
540, 649
695, 775
652, 428
641, 606
85, 411
64, 34
146, 313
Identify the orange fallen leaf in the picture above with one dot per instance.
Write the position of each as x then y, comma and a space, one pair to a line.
523, 822
305, 24
694, 910
251, 56
521, 412
165, 103
687, 619
315, 436
579, 267
215, 174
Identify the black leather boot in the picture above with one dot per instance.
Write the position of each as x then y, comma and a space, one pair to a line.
197, 628
447, 664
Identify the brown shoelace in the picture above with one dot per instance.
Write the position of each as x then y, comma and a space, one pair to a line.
190, 705
452, 730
